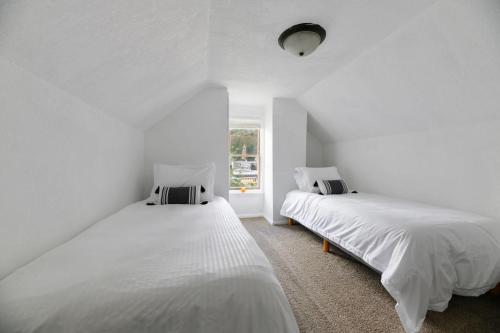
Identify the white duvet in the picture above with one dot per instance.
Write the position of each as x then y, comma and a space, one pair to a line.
174, 268
425, 253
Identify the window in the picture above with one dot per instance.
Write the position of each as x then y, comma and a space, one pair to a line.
244, 158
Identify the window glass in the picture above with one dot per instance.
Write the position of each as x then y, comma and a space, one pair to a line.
244, 158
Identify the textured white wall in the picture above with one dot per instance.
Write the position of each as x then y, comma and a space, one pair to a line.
418, 116
248, 204
64, 166
268, 167
195, 133
456, 167
289, 148
314, 152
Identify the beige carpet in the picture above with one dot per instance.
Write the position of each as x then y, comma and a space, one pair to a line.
330, 293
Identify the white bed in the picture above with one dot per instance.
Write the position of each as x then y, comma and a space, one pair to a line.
425, 253
176, 268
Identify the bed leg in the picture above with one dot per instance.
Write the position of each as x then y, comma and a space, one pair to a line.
326, 246
290, 221
496, 290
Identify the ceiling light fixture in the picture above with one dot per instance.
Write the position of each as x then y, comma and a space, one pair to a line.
302, 39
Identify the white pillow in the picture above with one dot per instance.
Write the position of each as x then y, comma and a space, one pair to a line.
306, 177
186, 175
299, 179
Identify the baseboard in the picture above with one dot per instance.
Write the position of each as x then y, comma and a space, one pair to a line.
275, 222
247, 216
270, 221
280, 221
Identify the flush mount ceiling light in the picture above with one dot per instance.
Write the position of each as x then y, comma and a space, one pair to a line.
302, 39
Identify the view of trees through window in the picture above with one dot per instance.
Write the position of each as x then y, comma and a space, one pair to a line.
244, 164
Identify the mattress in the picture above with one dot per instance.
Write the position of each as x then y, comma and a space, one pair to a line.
425, 253
176, 268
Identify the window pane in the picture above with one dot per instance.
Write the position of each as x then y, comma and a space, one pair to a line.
244, 164
244, 137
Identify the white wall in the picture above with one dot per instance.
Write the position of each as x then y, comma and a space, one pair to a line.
248, 204
195, 133
268, 204
314, 152
418, 116
64, 166
456, 167
289, 149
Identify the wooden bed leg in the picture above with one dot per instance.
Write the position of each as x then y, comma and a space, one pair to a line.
326, 246
290, 221
496, 290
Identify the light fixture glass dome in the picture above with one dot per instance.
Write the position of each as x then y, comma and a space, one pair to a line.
302, 39
302, 43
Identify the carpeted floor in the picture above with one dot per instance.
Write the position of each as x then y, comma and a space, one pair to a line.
331, 293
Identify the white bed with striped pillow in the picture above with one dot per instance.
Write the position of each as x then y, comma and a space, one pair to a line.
171, 268
425, 253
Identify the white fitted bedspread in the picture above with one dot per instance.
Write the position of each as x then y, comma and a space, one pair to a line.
176, 268
425, 253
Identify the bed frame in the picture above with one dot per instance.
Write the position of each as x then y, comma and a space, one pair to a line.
326, 248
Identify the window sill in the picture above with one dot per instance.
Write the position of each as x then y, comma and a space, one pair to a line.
238, 192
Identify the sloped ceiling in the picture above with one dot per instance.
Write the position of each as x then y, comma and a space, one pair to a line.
244, 54
128, 58
137, 59
440, 69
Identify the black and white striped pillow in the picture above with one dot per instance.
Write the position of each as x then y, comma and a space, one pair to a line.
337, 186
189, 195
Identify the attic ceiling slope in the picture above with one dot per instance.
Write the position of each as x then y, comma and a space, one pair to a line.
441, 69
138, 59
126, 58
244, 54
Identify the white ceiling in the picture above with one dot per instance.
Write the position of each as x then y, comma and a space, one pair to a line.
137, 59
128, 58
243, 42
441, 69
